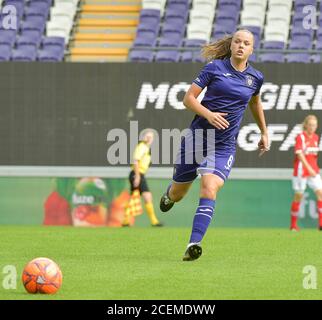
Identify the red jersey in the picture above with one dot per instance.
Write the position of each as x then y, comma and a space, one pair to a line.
309, 146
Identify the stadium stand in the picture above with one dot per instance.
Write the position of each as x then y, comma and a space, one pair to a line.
156, 30
35, 30
174, 30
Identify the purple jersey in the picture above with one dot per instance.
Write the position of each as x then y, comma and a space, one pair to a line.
228, 91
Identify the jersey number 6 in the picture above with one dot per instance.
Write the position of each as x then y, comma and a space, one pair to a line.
229, 162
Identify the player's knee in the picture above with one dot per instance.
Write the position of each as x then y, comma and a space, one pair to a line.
298, 197
208, 191
147, 196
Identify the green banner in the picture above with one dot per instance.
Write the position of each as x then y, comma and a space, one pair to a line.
241, 203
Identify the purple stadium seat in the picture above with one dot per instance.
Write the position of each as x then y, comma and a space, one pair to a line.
227, 15
318, 44
298, 57
38, 9
299, 4
7, 37
48, 2
274, 45
171, 40
299, 33
252, 58
151, 16
178, 6
225, 8
236, 3
24, 53
186, 56
272, 57
194, 43
34, 23
53, 42
39, 5
141, 56
300, 44
297, 20
319, 33
228, 26
301, 38
176, 2
218, 35
257, 41
316, 58
31, 37
253, 29
180, 1
170, 28
229, 22
19, 6
167, 56
146, 39
148, 28
198, 58
5, 52
174, 15
50, 55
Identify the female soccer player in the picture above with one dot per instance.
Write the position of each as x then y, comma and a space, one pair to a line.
141, 163
231, 84
306, 169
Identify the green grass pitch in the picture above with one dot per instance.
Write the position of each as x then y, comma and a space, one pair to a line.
145, 263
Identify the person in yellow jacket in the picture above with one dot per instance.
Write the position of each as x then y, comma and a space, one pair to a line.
141, 163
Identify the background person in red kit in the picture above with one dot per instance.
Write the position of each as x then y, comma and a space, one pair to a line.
306, 169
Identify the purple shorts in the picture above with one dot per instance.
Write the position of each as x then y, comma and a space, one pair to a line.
202, 158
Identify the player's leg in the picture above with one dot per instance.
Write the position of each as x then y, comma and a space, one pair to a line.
148, 201
127, 216
315, 183
175, 192
209, 187
184, 174
319, 206
295, 208
299, 186
214, 171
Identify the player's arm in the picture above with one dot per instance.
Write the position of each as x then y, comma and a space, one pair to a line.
256, 108
190, 102
307, 166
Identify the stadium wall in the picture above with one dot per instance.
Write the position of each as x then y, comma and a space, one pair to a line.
58, 115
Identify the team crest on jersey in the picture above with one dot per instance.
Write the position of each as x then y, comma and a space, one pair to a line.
249, 80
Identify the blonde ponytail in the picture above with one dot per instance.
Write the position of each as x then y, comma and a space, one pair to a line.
219, 49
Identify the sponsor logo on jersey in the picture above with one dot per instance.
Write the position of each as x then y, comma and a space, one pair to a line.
249, 80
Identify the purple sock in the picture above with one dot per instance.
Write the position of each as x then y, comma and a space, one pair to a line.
202, 219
